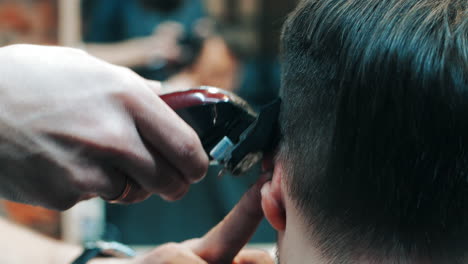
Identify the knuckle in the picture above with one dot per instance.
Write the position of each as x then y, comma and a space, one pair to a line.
125, 85
128, 79
123, 94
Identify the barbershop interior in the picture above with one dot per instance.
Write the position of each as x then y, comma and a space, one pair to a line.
229, 44
233, 131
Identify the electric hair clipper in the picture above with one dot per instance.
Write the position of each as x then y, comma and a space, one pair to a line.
231, 132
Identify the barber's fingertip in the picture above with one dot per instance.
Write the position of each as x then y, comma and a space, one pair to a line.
200, 172
201, 177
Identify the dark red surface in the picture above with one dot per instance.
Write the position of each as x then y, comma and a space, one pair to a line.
194, 97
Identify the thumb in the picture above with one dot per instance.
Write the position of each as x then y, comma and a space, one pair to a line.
222, 243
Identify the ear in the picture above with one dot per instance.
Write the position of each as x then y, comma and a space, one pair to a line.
273, 202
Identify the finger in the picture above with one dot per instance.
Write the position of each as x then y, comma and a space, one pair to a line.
171, 253
134, 194
133, 163
98, 175
139, 174
224, 241
161, 178
170, 184
114, 183
144, 169
253, 256
167, 133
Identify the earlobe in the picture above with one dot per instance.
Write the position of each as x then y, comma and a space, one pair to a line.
273, 204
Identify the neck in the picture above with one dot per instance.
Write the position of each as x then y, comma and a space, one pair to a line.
296, 247
293, 243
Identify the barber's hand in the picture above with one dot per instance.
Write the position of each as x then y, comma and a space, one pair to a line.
180, 254
74, 127
223, 243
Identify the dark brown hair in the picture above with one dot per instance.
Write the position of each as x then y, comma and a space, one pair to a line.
375, 127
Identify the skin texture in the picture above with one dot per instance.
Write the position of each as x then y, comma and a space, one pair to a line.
74, 127
294, 245
223, 244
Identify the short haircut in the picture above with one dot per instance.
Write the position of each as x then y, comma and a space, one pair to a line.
375, 127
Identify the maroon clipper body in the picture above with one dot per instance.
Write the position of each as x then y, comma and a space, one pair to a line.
232, 134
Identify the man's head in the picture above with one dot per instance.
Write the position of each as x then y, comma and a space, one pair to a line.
373, 165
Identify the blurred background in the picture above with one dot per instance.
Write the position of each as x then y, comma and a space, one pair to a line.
230, 44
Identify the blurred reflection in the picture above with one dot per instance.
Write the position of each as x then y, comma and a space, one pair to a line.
161, 40
28, 22
156, 38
